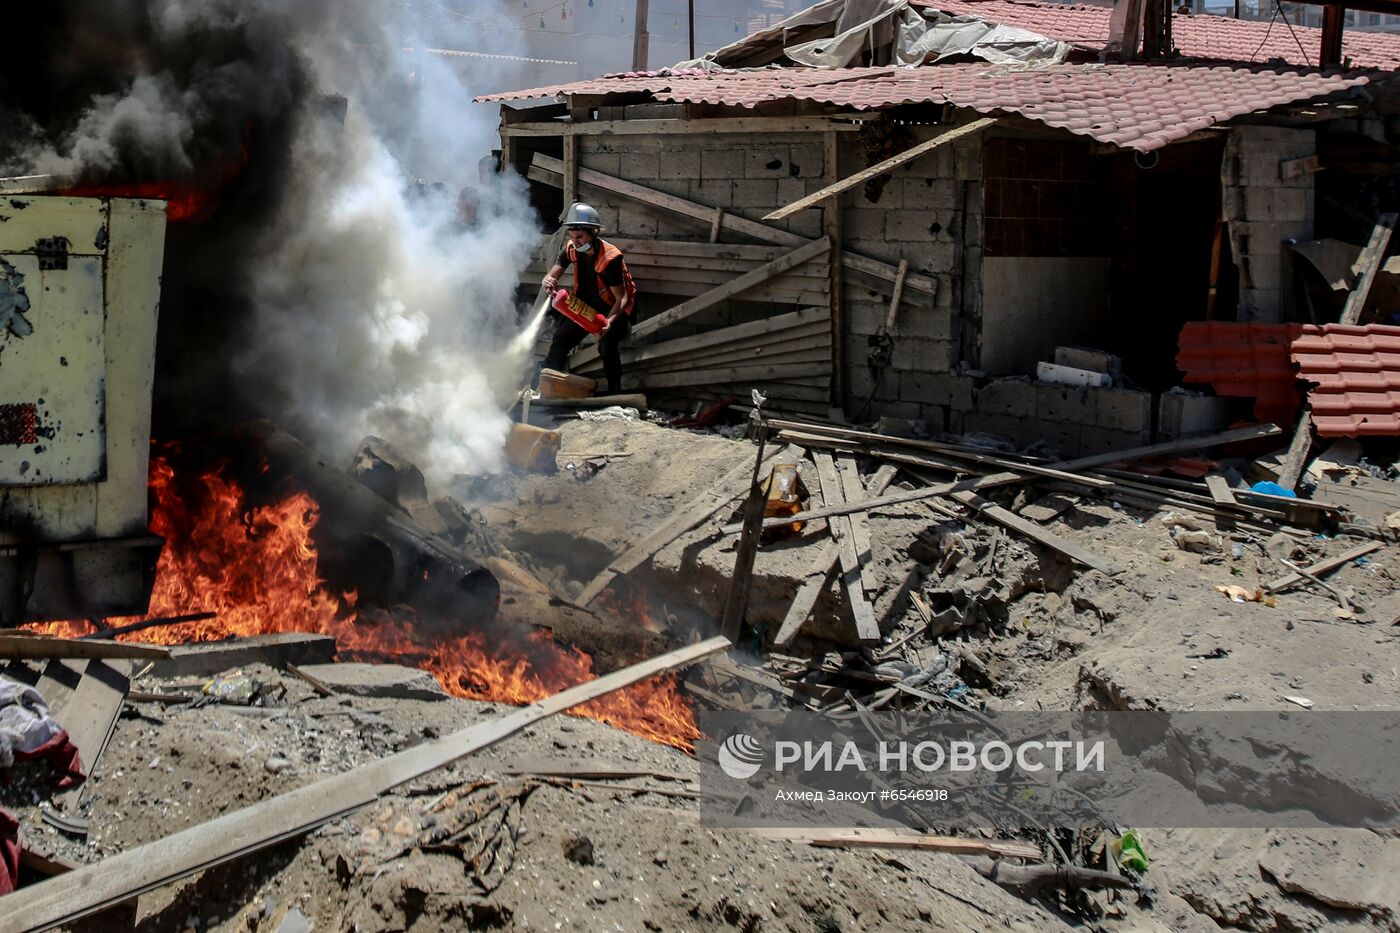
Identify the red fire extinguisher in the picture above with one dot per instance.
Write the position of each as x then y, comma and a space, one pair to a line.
582, 314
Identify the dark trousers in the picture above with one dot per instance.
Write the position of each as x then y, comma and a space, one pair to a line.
568, 335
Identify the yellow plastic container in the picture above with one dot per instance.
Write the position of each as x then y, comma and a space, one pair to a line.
532, 449
557, 385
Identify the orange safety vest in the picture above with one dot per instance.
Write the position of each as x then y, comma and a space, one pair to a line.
606, 254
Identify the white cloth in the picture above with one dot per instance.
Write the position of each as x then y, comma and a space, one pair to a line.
25, 723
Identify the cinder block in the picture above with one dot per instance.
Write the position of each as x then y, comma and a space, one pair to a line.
806, 224
1063, 436
1014, 397
936, 417
635, 222
677, 186
680, 163
896, 409
980, 422
712, 192
930, 193
862, 224
756, 194
1123, 410
638, 166
1265, 270
967, 161
921, 322
1284, 205
1096, 361
911, 226
864, 318
721, 164
609, 163
911, 354
948, 389
805, 161
794, 189
1186, 415
1056, 403
767, 162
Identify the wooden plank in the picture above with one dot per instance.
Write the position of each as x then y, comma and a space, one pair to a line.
853, 491
871, 837
880, 168
570, 171
764, 126
1297, 168
815, 356
1219, 488
91, 714
803, 322
867, 629
90, 888
1370, 261
736, 600
835, 288
881, 450
734, 287
549, 170
24, 645
1030, 529
1297, 457
1181, 445
893, 314
729, 374
1323, 566
718, 495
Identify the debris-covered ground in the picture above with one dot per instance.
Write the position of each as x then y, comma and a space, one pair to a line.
573, 824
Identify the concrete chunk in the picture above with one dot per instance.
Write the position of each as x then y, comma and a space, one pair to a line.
393, 681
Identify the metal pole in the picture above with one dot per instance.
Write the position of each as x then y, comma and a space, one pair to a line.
690, 16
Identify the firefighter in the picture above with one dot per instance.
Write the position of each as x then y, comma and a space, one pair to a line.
601, 300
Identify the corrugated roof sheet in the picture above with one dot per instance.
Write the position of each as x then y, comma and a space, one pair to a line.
1141, 107
1244, 361
1355, 372
1217, 38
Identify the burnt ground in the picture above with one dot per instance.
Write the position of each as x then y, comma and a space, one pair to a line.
633, 856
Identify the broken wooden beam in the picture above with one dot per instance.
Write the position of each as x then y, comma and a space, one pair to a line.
826, 560
880, 168
1370, 261
1323, 566
275, 650
1006, 517
842, 532
91, 888
21, 646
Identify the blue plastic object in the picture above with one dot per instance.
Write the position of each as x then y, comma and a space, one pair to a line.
1273, 489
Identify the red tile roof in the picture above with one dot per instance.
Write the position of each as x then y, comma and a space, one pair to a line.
1201, 36
1141, 107
1244, 361
1355, 371
1356, 376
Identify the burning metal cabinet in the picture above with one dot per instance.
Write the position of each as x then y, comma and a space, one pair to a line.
79, 297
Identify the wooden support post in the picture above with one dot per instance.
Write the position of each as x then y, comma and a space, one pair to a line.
736, 602
1372, 258
1333, 19
832, 189
716, 224
867, 629
1132, 31
831, 226
1297, 456
893, 314
570, 171
640, 38
1221, 494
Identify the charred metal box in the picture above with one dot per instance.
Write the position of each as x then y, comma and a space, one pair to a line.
79, 298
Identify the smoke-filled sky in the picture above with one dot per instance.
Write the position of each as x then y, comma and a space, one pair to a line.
358, 302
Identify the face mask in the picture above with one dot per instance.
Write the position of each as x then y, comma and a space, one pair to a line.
584, 247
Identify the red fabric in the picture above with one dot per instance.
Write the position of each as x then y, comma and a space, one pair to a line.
62, 756
9, 852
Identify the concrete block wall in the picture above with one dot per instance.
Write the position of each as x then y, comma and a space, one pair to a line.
928, 212
1074, 421
1263, 210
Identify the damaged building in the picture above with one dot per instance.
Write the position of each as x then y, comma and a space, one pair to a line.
967, 195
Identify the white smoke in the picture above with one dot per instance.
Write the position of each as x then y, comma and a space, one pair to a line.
376, 310
379, 311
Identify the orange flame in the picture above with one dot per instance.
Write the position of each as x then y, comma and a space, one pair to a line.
256, 568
